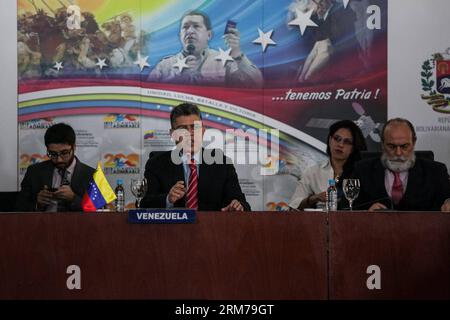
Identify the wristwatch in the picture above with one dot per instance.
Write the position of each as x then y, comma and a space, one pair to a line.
239, 57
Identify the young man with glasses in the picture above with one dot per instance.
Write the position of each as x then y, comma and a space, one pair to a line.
59, 183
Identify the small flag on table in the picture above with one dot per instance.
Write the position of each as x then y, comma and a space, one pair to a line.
99, 192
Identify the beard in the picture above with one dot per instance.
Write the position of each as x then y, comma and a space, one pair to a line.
64, 164
398, 164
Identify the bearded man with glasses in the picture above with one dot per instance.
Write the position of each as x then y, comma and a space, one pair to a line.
399, 180
59, 183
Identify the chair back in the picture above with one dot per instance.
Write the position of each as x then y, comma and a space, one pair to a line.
423, 154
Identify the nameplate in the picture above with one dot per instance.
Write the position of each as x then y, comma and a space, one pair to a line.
161, 216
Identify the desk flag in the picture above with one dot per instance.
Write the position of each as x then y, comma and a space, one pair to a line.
99, 192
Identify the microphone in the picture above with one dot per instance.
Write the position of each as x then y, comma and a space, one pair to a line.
190, 49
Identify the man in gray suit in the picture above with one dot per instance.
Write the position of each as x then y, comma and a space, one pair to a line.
59, 183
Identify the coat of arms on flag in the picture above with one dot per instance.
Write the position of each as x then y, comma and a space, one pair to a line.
443, 76
437, 89
99, 192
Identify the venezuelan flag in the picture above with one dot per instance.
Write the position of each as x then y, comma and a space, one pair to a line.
99, 192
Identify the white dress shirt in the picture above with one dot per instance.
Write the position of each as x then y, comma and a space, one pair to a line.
187, 172
56, 183
314, 180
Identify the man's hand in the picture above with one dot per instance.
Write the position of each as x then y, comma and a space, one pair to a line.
320, 197
233, 39
234, 206
64, 193
44, 197
176, 192
377, 206
446, 206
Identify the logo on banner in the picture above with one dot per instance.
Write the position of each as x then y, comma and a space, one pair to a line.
115, 121
271, 165
121, 163
149, 135
27, 160
44, 123
159, 139
277, 206
435, 79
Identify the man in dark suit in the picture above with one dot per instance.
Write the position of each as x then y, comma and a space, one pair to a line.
190, 176
57, 184
399, 180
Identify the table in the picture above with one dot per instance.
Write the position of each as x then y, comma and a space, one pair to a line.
257, 255
221, 256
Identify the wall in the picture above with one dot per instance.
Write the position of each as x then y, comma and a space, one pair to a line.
8, 93
417, 30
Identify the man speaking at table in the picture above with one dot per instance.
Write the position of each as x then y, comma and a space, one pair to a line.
190, 176
399, 180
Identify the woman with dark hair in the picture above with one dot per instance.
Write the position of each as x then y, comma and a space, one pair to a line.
344, 143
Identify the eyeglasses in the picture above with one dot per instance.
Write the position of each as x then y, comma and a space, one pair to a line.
62, 154
393, 147
189, 127
338, 139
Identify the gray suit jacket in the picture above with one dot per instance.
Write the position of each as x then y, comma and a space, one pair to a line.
41, 174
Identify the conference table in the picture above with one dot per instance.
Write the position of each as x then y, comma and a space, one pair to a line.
254, 255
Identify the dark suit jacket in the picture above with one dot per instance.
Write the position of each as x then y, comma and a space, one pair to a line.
218, 184
41, 174
427, 188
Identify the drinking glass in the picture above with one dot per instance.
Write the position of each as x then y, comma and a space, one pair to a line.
351, 189
138, 189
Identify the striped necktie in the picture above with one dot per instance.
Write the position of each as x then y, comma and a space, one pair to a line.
63, 205
192, 193
63, 174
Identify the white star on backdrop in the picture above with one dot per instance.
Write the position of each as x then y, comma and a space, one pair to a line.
142, 61
181, 64
58, 66
345, 3
265, 38
101, 63
303, 20
224, 56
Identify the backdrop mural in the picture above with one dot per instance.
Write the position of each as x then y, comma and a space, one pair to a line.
273, 73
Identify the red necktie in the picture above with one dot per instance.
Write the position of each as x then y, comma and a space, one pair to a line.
397, 188
192, 194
